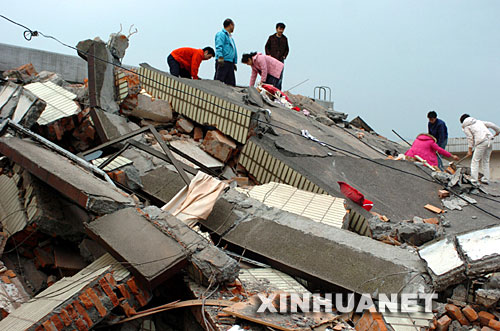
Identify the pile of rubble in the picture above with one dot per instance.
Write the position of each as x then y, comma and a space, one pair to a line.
136, 200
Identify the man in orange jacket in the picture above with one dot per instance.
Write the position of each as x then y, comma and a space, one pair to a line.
184, 62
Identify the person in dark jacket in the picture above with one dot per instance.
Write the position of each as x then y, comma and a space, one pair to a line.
437, 128
277, 46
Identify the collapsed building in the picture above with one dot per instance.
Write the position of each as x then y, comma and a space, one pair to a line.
134, 195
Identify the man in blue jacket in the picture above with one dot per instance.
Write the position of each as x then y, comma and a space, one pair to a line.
437, 128
225, 52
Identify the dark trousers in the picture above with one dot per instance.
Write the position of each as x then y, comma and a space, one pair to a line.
276, 82
225, 73
176, 69
440, 160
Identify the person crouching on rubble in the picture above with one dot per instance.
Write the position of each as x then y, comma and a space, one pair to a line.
269, 69
185, 61
479, 138
426, 147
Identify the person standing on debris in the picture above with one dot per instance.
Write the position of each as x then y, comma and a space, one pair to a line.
479, 139
277, 45
184, 62
426, 147
226, 54
437, 128
269, 68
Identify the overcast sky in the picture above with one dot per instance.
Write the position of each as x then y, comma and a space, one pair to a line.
389, 61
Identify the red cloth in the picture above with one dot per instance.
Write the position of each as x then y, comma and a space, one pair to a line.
271, 89
189, 59
425, 146
352, 194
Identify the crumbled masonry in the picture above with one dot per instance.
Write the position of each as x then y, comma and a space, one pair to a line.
87, 159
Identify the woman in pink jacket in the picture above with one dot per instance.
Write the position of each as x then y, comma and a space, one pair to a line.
269, 69
426, 147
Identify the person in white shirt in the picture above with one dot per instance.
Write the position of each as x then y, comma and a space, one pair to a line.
479, 139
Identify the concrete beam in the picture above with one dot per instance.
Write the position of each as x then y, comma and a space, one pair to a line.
75, 183
130, 237
313, 250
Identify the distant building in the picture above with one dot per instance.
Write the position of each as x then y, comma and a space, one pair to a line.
72, 68
459, 147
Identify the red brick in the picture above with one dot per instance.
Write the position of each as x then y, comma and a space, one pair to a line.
443, 323
494, 324
47, 325
470, 313
142, 301
109, 277
371, 320
121, 177
198, 134
98, 304
65, 317
433, 220
133, 286
109, 292
10, 273
81, 325
83, 313
443, 194
6, 280
485, 328
71, 312
218, 145
123, 290
84, 298
456, 314
41, 328
129, 311
485, 317
57, 322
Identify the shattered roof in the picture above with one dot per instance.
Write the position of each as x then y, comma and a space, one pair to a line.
59, 101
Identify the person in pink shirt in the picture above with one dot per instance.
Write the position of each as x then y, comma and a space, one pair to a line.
269, 69
426, 147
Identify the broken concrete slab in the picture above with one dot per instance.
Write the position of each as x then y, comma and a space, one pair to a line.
453, 259
193, 150
218, 145
210, 260
443, 263
184, 125
162, 183
59, 101
28, 109
480, 249
101, 74
416, 234
111, 126
156, 259
144, 106
303, 247
8, 92
72, 181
